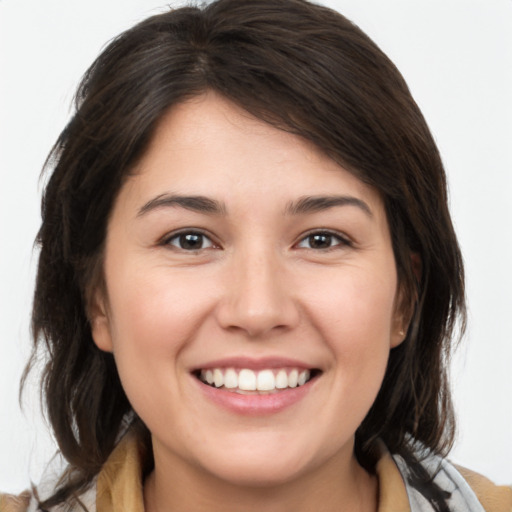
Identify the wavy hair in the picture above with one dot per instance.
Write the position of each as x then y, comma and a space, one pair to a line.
305, 69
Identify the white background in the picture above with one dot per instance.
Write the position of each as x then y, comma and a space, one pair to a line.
456, 56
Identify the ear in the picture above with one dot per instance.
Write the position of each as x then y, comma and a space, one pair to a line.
398, 329
100, 323
405, 304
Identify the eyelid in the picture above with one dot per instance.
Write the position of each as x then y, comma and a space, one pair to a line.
168, 237
344, 240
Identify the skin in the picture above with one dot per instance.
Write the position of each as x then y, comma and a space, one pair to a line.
257, 288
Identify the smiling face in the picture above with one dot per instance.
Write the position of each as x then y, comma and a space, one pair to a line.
250, 298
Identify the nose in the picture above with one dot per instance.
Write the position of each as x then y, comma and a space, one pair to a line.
258, 299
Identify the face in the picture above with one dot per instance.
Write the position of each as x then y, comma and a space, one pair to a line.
250, 299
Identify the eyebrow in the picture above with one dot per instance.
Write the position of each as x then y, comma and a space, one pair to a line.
200, 204
312, 204
203, 204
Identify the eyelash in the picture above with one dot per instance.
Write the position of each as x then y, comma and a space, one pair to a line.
181, 238
331, 235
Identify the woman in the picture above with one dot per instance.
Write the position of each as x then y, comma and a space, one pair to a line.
248, 277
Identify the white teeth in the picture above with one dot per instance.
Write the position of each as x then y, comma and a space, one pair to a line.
218, 378
303, 377
266, 381
231, 379
281, 380
247, 380
293, 379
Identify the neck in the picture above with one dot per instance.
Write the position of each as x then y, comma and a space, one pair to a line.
339, 485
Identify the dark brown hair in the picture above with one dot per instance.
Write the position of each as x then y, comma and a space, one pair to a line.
304, 69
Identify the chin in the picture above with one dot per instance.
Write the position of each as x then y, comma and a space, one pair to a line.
263, 460
257, 473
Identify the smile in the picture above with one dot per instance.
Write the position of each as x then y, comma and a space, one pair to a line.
247, 381
256, 387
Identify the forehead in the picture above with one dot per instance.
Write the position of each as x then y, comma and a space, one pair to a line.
209, 146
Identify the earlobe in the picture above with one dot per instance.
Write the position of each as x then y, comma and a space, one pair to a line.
398, 337
406, 303
402, 317
100, 325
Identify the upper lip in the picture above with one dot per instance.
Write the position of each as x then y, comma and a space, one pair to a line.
255, 363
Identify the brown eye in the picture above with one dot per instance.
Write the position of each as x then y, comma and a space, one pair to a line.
190, 241
322, 240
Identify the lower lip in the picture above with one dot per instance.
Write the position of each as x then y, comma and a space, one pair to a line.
255, 405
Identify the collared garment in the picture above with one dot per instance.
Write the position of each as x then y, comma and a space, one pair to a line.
119, 486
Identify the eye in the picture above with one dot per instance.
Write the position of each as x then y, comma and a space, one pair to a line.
322, 240
190, 241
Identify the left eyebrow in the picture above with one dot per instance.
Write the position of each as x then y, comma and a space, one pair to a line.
199, 204
312, 204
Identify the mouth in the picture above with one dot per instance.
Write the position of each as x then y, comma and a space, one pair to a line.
246, 381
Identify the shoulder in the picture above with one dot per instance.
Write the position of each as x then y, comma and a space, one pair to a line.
11, 503
494, 498
466, 491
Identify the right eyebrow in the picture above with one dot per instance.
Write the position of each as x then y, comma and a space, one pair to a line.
200, 204
311, 204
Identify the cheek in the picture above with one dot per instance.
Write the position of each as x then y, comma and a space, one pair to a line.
355, 307
154, 308
354, 311
154, 315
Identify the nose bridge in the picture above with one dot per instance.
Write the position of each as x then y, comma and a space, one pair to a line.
258, 297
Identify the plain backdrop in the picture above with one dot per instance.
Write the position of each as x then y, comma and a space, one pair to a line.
456, 56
